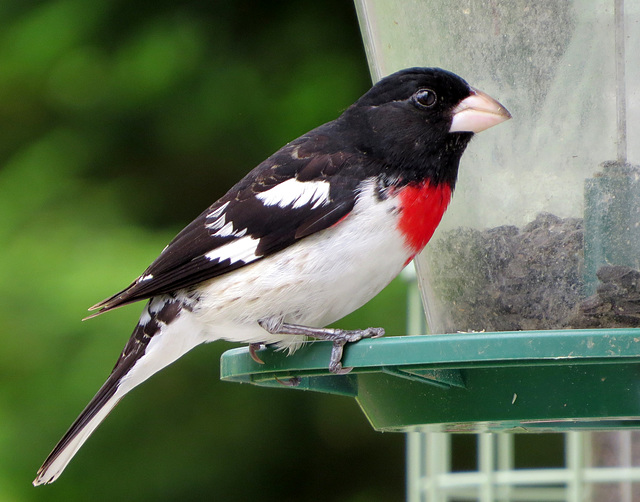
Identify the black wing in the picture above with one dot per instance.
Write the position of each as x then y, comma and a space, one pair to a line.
303, 188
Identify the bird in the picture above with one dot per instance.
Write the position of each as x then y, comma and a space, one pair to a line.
308, 236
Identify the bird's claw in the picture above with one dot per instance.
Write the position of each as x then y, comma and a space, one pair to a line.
374, 332
292, 382
337, 369
253, 347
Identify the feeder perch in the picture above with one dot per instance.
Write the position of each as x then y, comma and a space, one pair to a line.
470, 382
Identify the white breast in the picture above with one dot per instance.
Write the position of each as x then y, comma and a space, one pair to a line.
315, 282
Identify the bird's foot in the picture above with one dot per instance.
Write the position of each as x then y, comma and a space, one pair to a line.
339, 337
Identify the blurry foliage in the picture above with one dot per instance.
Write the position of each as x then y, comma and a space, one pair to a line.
120, 122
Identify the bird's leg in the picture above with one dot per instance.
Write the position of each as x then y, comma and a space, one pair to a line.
339, 337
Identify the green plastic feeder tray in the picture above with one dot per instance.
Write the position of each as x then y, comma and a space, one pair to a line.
470, 382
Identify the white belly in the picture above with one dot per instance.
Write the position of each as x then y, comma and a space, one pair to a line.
317, 281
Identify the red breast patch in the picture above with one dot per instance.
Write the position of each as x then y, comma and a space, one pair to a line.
421, 208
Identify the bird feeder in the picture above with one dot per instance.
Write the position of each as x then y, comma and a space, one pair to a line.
531, 284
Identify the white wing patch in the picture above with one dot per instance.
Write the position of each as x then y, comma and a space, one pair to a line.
223, 229
228, 230
294, 193
242, 249
218, 212
220, 226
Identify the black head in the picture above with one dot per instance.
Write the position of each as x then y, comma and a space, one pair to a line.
406, 121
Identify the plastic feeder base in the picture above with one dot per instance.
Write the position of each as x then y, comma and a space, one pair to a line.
470, 382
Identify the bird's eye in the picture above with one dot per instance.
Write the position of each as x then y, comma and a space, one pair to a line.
424, 98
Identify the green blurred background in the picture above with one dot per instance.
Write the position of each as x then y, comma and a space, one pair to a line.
120, 122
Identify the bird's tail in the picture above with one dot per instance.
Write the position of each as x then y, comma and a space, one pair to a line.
85, 424
96, 411
161, 337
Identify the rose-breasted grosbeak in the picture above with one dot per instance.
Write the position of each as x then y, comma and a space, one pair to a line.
311, 234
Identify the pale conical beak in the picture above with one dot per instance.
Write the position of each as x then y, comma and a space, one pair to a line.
477, 113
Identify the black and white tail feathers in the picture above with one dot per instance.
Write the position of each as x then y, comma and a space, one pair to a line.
95, 412
145, 353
